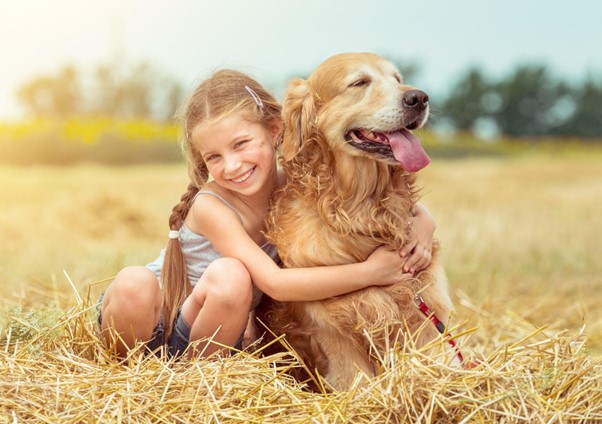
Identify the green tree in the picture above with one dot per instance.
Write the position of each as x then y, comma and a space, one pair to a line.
528, 99
528, 102
468, 100
586, 120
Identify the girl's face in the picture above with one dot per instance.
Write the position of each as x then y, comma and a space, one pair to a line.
239, 154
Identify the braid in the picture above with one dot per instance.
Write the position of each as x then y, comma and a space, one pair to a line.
174, 275
180, 210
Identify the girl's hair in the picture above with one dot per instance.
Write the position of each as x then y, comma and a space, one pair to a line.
225, 93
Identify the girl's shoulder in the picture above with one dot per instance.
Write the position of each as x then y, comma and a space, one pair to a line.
208, 206
208, 198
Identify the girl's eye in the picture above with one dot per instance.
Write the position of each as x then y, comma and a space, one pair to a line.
240, 144
210, 158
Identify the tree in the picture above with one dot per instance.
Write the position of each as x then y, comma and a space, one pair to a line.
586, 120
140, 91
465, 104
529, 102
114, 90
529, 97
58, 95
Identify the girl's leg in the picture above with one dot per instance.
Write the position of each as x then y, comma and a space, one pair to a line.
131, 308
220, 300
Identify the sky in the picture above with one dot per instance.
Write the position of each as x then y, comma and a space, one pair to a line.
274, 40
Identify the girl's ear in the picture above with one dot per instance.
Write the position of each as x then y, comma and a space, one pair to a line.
276, 127
299, 116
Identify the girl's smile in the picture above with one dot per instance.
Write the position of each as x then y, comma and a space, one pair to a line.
244, 177
239, 154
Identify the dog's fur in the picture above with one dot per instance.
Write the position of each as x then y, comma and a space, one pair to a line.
340, 202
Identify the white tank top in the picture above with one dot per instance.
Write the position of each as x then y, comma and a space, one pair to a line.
199, 252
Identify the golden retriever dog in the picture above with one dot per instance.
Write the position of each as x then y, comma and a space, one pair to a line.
350, 162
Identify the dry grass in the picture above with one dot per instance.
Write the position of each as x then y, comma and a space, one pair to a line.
88, 220
520, 241
60, 373
522, 235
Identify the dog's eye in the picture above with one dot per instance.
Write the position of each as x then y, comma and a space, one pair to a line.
397, 78
360, 82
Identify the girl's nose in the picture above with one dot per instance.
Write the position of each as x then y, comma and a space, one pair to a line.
232, 164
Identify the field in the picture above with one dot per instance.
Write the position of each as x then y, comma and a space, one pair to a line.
520, 237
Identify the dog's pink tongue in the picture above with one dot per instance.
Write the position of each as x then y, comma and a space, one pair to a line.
408, 151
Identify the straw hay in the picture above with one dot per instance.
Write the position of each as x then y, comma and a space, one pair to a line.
53, 369
525, 254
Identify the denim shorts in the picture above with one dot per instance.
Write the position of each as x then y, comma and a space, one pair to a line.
177, 343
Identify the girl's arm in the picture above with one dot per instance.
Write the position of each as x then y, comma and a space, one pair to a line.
419, 248
221, 226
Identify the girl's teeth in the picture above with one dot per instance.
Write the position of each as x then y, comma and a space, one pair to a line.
244, 177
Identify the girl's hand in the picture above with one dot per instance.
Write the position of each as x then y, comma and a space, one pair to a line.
386, 267
418, 250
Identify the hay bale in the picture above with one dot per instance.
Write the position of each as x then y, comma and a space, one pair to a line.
59, 372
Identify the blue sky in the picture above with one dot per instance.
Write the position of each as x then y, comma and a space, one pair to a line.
276, 39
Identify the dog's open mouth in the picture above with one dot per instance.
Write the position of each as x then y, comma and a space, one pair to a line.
402, 145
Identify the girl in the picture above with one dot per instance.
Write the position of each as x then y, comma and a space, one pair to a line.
217, 262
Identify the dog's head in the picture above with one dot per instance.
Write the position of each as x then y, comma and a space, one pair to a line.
359, 104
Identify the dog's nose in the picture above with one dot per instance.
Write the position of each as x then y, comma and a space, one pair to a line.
415, 99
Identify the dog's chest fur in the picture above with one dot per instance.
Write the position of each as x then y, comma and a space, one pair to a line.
341, 224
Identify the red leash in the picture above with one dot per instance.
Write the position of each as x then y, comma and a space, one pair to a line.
441, 328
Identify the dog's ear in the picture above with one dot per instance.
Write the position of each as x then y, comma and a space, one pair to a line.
299, 115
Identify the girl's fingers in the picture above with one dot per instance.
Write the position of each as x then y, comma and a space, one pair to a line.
418, 261
412, 260
407, 248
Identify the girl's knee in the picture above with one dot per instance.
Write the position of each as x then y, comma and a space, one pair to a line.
228, 280
135, 287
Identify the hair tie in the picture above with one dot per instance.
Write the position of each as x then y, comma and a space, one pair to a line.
255, 96
174, 234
